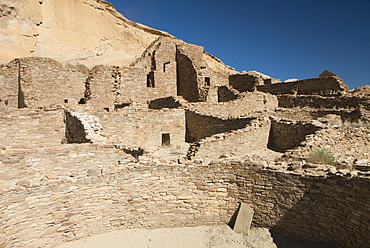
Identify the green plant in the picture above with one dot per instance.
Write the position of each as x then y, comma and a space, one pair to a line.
321, 155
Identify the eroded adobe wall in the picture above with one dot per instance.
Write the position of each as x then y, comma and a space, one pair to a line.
73, 198
200, 126
24, 129
328, 86
45, 83
143, 128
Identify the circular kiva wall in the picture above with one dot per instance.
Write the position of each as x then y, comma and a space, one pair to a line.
80, 201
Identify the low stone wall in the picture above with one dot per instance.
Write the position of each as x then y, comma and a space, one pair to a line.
90, 190
328, 86
248, 105
241, 142
199, 126
344, 102
289, 134
25, 129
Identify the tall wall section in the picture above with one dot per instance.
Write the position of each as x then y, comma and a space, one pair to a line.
9, 86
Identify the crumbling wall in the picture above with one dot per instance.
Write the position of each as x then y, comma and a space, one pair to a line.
318, 102
226, 94
167, 102
199, 126
250, 104
238, 143
245, 82
83, 128
289, 134
346, 143
328, 86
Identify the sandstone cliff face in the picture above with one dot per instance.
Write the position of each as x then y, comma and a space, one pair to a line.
84, 31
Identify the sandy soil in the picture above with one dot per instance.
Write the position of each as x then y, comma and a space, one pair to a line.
194, 237
191, 237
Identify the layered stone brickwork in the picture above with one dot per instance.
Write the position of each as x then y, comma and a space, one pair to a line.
89, 191
346, 143
199, 126
240, 143
45, 83
342, 102
83, 128
226, 93
245, 82
250, 104
9, 86
25, 129
289, 134
147, 129
327, 86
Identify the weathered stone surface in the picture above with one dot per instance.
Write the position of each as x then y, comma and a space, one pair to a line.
243, 219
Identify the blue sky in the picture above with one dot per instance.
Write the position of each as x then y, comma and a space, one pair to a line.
281, 38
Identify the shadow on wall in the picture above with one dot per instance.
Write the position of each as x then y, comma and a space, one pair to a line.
332, 211
283, 241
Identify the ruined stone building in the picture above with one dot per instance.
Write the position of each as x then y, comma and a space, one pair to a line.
173, 137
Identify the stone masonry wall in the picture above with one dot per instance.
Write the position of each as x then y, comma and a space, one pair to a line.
245, 82
45, 83
328, 86
199, 126
144, 128
241, 142
249, 104
289, 134
343, 102
25, 129
91, 190
9, 86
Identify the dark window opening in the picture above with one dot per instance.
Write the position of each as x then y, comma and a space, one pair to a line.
106, 109
6, 102
82, 101
149, 54
150, 80
166, 140
65, 100
165, 65
207, 80
202, 67
121, 105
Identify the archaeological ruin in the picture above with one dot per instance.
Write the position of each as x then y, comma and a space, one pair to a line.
172, 137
